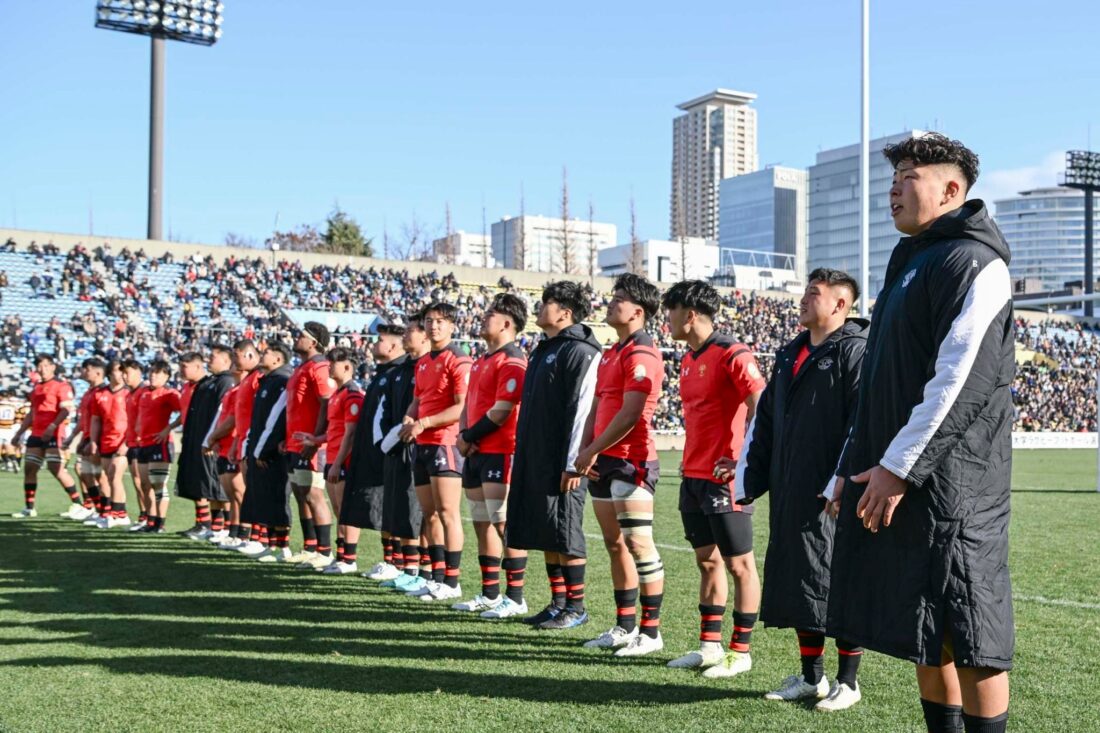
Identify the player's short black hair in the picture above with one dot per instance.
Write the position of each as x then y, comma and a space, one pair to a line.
416, 319
160, 366
221, 349
342, 354
244, 345
281, 348
95, 363
696, 295
446, 310
935, 149
835, 277
132, 364
639, 291
45, 358
113, 364
512, 306
571, 295
189, 357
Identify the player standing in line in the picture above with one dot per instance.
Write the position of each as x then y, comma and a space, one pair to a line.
91, 470
487, 440
442, 378
344, 409
219, 443
720, 384
51, 404
268, 483
791, 451
136, 387
197, 478
9, 405
307, 395
192, 370
155, 453
107, 442
247, 359
620, 460
546, 498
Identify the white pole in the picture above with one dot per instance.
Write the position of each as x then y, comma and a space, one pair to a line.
865, 163
1098, 431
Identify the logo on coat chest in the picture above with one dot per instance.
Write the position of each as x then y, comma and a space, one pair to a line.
908, 278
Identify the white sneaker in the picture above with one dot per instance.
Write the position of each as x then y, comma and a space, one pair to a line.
137, 526
317, 562
271, 554
442, 592
229, 543
641, 645
478, 603
299, 557
215, 537
506, 609
841, 697
340, 568
26, 513
250, 548
613, 638
796, 687
102, 523
710, 653
200, 534
422, 590
113, 522
383, 571
733, 664
80, 512
71, 511
92, 519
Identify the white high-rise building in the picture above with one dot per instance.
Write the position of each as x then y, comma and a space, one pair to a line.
1045, 229
834, 210
764, 211
464, 248
715, 138
662, 261
544, 243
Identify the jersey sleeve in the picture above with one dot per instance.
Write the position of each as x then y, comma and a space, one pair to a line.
642, 371
744, 372
460, 374
172, 400
322, 380
510, 383
65, 395
353, 406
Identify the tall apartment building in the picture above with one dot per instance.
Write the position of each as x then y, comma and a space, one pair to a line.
543, 243
1045, 229
464, 248
834, 210
715, 138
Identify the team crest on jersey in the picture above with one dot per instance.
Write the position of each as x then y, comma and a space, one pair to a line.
423, 367
382, 382
550, 358
354, 410
439, 367
908, 278
825, 363
639, 373
510, 385
702, 370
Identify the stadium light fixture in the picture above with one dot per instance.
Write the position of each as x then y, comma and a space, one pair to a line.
1083, 173
191, 21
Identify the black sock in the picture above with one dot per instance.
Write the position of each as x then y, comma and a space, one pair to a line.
941, 718
439, 562
574, 587
710, 623
73, 492
412, 559
490, 576
626, 609
350, 551
515, 568
118, 508
29, 492
340, 548
741, 638
425, 562
850, 656
324, 539
978, 724
309, 535
811, 649
557, 584
651, 614
452, 559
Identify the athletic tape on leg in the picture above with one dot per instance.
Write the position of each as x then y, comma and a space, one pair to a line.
624, 491
478, 511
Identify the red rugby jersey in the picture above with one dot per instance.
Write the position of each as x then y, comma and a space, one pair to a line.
497, 377
246, 395
133, 397
440, 377
227, 410
110, 407
633, 365
344, 407
155, 410
46, 401
185, 400
714, 383
84, 412
308, 385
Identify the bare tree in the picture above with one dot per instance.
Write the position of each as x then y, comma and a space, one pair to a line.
593, 254
448, 253
232, 239
416, 240
484, 238
385, 239
635, 263
567, 247
519, 243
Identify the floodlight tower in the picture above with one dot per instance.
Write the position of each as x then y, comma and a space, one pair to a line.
191, 21
1083, 172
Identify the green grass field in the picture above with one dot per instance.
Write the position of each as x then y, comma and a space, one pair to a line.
109, 631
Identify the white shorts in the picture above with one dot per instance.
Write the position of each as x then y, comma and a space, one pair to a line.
6, 435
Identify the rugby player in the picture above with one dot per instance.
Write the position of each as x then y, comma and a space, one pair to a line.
107, 443
344, 409
51, 404
155, 451
134, 378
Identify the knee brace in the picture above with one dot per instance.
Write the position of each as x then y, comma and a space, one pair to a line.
53, 458
302, 478
33, 460
478, 510
496, 509
161, 494
625, 491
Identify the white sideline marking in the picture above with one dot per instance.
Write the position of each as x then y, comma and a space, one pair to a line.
1057, 602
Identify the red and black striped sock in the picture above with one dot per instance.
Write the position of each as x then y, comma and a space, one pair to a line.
73, 492
309, 535
411, 554
203, 515
811, 648
398, 553
557, 584
515, 570
118, 509
626, 609
741, 638
340, 549
452, 560
439, 562
280, 537
88, 502
710, 623
351, 550
103, 505
387, 551
30, 491
574, 587
143, 518
425, 562
217, 522
324, 539
651, 614
850, 656
490, 576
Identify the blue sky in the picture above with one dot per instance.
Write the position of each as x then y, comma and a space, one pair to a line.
394, 110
